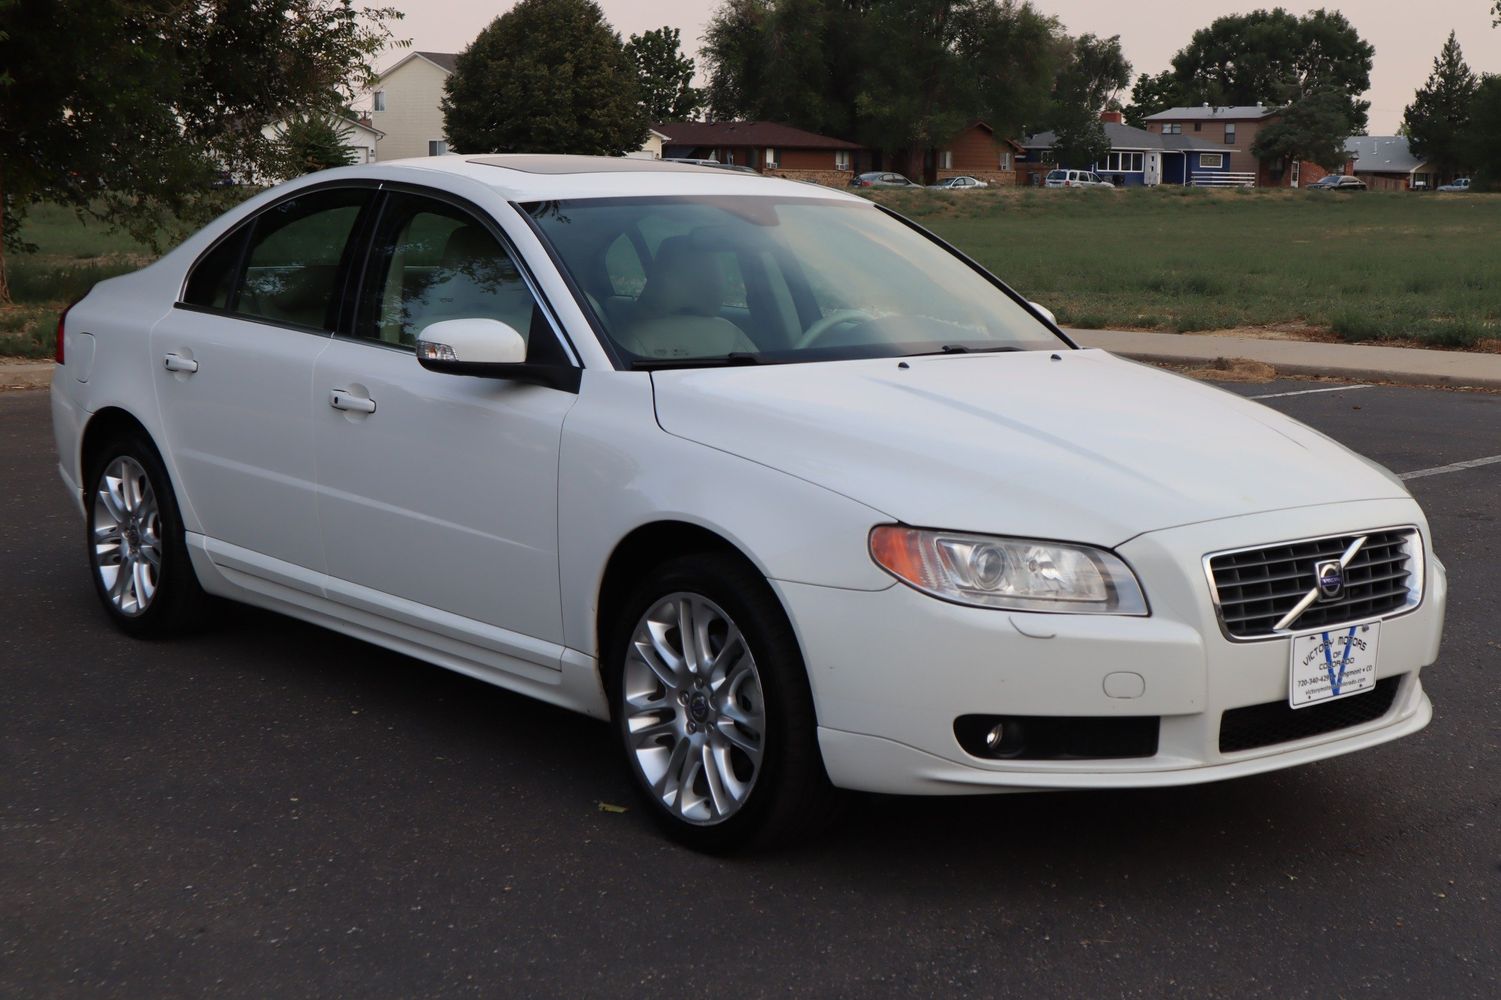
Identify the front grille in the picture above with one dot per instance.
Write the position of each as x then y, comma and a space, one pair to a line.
1277, 722
1256, 588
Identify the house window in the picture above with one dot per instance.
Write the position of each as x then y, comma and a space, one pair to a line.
380, 100
1175, 128
771, 157
841, 159
1211, 161
1198, 126
1006, 161
946, 160
1229, 133
436, 147
1119, 163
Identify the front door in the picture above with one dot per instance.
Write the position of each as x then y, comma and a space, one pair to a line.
234, 369
1153, 173
438, 493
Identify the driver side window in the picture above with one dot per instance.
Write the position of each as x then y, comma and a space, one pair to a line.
430, 262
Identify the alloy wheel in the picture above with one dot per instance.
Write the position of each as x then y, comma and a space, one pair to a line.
126, 536
694, 712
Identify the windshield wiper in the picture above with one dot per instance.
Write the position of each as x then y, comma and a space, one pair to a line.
963, 349
718, 361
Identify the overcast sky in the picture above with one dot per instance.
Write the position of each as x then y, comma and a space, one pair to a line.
1406, 35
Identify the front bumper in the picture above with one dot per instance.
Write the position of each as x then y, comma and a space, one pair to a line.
892, 670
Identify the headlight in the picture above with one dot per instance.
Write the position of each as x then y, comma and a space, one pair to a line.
1019, 574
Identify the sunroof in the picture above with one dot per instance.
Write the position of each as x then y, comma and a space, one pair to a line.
541, 163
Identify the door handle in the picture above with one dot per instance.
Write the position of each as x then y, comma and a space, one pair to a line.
178, 363
343, 399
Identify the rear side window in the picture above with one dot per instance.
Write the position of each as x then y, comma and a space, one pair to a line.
212, 282
291, 270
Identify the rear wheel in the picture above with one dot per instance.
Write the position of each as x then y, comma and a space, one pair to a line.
711, 701
137, 553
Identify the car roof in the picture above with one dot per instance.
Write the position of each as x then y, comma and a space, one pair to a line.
546, 177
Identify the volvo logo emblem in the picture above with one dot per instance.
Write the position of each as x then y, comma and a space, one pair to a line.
1331, 577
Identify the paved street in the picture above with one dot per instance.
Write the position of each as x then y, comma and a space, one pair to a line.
270, 809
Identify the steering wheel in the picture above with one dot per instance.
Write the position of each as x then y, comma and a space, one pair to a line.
837, 318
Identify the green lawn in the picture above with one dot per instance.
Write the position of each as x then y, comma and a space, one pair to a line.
1360, 266
1363, 267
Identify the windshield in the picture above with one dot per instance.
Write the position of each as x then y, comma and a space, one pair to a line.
745, 280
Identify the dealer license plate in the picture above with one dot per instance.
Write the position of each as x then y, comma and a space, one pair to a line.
1335, 663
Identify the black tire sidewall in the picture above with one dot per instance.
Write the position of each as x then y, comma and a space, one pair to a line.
790, 747
177, 592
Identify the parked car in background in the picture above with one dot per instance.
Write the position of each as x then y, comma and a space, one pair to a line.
1457, 186
882, 179
789, 493
1337, 182
959, 184
1076, 179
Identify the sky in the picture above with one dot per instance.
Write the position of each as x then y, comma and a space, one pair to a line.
1406, 36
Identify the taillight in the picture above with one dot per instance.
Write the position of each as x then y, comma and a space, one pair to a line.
58, 352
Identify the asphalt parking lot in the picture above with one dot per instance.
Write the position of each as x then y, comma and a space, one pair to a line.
270, 809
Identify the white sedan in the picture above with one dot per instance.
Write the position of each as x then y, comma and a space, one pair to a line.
792, 493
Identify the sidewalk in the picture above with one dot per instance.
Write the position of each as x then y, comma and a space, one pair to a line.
25, 374
1360, 362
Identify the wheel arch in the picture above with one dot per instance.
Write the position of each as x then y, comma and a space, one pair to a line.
104, 424
643, 548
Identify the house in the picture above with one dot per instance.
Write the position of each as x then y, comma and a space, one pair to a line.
1387, 163
406, 104
767, 147
1137, 158
976, 151
1235, 130
651, 149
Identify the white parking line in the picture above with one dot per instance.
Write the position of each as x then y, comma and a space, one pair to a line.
1309, 392
1439, 470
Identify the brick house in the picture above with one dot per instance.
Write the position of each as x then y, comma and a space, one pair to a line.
766, 147
1387, 163
1236, 130
976, 151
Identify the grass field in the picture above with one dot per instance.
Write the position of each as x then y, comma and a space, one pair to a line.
1392, 267
1368, 266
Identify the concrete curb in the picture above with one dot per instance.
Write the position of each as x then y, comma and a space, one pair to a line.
1358, 362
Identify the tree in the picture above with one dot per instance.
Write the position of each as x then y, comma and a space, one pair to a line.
1276, 59
665, 76
896, 75
1080, 140
310, 142
1437, 122
548, 76
126, 110
1314, 128
1483, 149
1092, 71
1152, 94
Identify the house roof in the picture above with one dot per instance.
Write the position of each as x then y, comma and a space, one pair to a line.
773, 134
1204, 112
979, 123
1382, 154
446, 61
1128, 137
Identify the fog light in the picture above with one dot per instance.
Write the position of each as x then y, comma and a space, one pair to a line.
994, 737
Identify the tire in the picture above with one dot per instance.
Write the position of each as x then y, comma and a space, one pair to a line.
725, 756
132, 521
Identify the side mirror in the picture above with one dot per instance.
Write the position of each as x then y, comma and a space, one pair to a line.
471, 341
488, 348
1047, 313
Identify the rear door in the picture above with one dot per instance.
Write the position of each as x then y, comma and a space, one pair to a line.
235, 379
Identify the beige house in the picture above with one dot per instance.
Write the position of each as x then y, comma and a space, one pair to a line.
651, 149
406, 106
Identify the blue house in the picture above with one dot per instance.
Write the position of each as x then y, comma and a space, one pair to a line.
1137, 157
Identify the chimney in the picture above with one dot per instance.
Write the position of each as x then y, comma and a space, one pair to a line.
1113, 117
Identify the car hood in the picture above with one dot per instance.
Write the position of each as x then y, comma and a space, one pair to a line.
1076, 445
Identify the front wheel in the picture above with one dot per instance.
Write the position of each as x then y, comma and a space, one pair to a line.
711, 701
